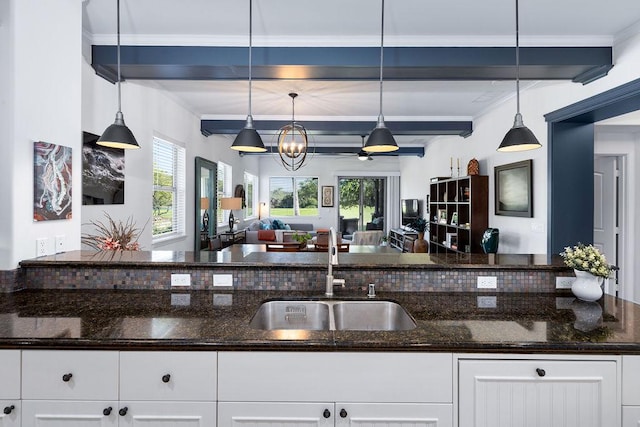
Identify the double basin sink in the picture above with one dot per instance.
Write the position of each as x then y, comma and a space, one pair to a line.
329, 315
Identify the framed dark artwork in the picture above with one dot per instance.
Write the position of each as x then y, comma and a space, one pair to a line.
514, 189
51, 181
327, 196
102, 173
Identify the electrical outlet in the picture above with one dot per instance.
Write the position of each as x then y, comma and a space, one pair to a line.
181, 280
41, 246
487, 282
564, 282
60, 243
225, 280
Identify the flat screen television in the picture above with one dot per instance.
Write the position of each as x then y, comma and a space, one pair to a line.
411, 209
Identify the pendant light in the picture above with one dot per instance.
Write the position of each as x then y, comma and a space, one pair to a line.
248, 139
293, 142
118, 134
363, 155
381, 140
519, 137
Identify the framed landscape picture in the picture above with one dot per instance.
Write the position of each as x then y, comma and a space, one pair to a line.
514, 189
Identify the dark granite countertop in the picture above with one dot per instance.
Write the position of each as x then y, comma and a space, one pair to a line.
252, 256
208, 320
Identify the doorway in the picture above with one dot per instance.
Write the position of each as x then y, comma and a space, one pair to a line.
608, 214
361, 204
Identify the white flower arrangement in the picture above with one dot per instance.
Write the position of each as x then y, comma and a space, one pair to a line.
587, 258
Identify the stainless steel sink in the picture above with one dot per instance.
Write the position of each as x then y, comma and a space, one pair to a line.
371, 316
365, 315
310, 315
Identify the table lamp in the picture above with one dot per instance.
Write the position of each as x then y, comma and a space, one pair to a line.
204, 205
230, 204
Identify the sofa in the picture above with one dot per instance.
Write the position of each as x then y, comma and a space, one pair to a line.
269, 230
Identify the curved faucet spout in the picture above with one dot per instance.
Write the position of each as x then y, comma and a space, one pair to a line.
333, 260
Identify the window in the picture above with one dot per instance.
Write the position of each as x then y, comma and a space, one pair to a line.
223, 189
168, 189
293, 196
251, 195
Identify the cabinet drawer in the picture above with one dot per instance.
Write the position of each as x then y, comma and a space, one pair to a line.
168, 375
349, 377
630, 416
78, 375
10, 374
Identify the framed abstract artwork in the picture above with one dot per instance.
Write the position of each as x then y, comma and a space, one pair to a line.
51, 181
514, 189
327, 196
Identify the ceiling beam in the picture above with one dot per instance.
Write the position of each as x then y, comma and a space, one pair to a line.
579, 64
347, 127
339, 150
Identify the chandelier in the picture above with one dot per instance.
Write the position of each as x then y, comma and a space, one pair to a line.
293, 143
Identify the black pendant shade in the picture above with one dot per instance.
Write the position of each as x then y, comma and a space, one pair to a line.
519, 138
248, 139
380, 140
118, 135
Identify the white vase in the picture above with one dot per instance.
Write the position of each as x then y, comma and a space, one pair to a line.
587, 287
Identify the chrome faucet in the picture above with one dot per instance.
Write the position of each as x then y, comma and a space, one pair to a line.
333, 260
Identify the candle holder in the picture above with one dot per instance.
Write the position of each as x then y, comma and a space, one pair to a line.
458, 171
451, 174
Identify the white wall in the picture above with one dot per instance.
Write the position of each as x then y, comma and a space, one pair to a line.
327, 169
148, 113
41, 65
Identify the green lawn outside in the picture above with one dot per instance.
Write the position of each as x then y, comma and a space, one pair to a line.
278, 212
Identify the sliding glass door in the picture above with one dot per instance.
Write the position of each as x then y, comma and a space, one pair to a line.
361, 204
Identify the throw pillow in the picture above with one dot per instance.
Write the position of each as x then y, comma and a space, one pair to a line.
265, 226
277, 224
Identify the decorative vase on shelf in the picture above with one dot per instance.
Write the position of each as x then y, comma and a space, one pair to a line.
490, 240
420, 245
587, 287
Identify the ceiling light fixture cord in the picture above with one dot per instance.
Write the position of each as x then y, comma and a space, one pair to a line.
250, 48
517, 60
118, 42
381, 56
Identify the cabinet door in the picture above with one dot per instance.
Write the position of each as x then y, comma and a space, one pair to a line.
537, 393
10, 413
395, 414
274, 414
170, 414
44, 413
630, 416
176, 375
10, 374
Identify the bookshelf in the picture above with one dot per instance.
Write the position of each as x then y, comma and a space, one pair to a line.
458, 213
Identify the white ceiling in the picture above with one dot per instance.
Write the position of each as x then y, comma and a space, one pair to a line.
355, 23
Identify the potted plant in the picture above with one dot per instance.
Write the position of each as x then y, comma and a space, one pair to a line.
301, 238
420, 226
590, 268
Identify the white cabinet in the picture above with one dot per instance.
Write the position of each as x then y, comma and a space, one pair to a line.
341, 389
170, 389
631, 391
45, 413
110, 388
540, 393
328, 414
307, 414
10, 404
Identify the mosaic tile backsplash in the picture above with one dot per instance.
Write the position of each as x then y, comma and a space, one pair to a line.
286, 278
